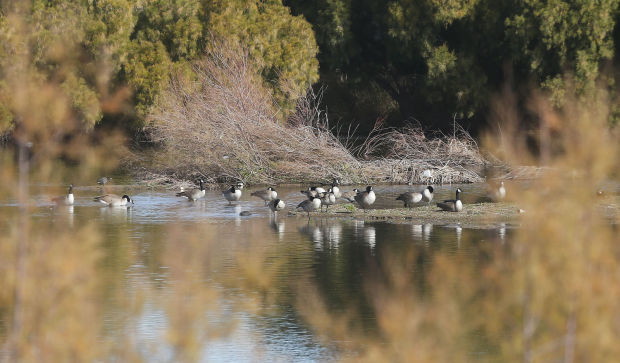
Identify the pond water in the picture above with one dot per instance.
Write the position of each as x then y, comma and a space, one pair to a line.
254, 320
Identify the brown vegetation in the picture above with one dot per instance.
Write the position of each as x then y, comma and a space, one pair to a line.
224, 126
550, 294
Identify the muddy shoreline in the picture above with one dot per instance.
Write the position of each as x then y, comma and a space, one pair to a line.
477, 214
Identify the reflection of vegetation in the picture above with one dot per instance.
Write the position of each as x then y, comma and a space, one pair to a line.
551, 293
548, 296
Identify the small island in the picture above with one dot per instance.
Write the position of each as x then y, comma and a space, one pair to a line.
477, 214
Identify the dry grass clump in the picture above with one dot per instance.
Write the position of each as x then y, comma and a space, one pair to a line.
224, 126
407, 155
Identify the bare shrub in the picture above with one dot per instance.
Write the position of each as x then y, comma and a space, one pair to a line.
224, 126
407, 156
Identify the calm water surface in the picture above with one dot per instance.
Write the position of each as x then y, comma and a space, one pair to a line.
337, 256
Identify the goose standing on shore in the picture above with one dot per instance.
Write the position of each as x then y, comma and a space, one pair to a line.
427, 194
501, 192
410, 198
113, 200
328, 198
366, 198
266, 195
276, 205
193, 194
452, 205
335, 189
316, 192
233, 194
310, 205
65, 199
350, 195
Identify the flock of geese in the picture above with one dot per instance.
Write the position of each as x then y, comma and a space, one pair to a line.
317, 197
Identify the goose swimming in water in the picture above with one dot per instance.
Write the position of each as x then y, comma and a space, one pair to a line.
233, 194
310, 205
193, 194
65, 199
267, 195
366, 198
452, 205
113, 200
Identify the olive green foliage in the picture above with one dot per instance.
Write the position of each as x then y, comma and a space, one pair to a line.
54, 33
550, 37
439, 58
105, 46
283, 45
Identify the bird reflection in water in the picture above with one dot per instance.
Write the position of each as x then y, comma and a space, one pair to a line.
416, 232
315, 235
427, 229
278, 226
333, 233
502, 232
370, 236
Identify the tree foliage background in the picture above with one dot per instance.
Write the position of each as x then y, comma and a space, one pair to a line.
431, 59
136, 45
403, 60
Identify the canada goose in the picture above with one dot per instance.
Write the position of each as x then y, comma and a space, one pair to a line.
427, 194
350, 195
267, 195
335, 189
366, 198
113, 200
501, 192
327, 199
66, 199
233, 194
310, 205
316, 192
318, 189
452, 205
410, 198
277, 205
193, 194
103, 180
